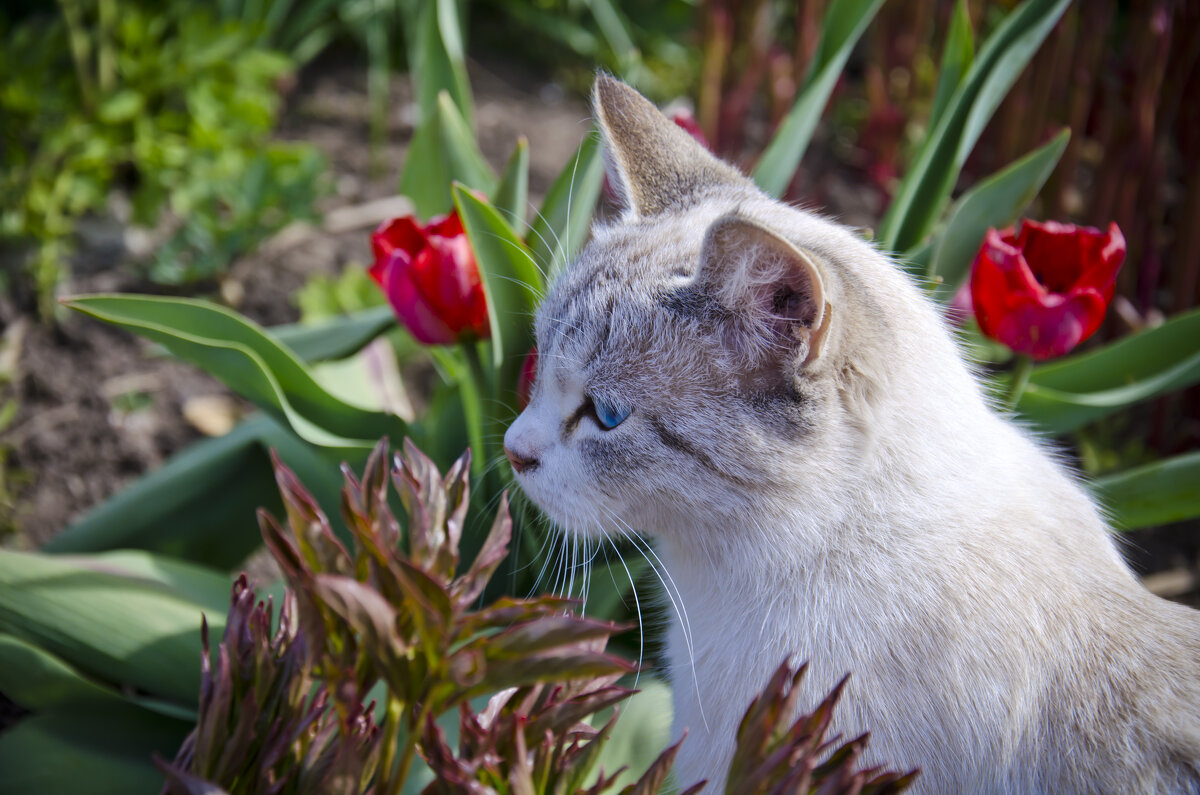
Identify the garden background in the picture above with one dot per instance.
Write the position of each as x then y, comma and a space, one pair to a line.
242, 153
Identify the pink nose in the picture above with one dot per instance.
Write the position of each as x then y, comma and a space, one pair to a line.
520, 463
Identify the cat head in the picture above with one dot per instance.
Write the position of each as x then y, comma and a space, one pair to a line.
694, 361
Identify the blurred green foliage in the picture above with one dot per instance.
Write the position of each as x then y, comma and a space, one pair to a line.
168, 106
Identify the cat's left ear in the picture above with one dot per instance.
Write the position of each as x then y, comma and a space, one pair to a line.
774, 289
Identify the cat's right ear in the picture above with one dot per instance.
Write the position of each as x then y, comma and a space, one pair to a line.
775, 292
652, 163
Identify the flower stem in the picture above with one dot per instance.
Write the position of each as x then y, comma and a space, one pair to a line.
391, 733
1020, 379
473, 399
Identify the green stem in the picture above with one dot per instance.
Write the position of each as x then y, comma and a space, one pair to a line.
473, 399
1020, 379
391, 732
410, 746
81, 48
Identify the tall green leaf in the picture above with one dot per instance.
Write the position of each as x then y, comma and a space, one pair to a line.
956, 60
1158, 493
1068, 393
511, 282
438, 59
249, 361
512, 192
841, 29
562, 223
928, 182
995, 202
443, 151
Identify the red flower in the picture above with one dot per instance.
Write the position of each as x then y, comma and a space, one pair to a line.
1045, 290
430, 278
526, 379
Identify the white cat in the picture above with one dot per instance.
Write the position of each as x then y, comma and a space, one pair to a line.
790, 418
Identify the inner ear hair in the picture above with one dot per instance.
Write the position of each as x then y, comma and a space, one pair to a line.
765, 279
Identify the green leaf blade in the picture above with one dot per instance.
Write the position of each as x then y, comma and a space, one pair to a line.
929, 181
562, 222
842, 27
1158, 493
511, 282
994, 202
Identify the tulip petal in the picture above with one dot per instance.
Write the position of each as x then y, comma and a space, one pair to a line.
411, 306
402, 234
1050, 329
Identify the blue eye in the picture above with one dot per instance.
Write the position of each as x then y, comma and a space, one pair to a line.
608, 416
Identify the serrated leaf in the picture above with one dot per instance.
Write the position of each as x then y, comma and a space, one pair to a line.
1157, 493
841, 28
994, 202
929, 180
562, 223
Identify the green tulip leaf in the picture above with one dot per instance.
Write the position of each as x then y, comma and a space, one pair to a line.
1158, 493
37, 680
131, 632
199, 506
1063, 395
438, 60
512, 192
994, 202
930, 179
443, 151
841, 29
249, 361
424, 179
562, 223
511, 282
335, 339
104, 752
956, 60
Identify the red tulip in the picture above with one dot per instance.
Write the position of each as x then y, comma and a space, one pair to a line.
430, 278
1045, 289
526, 379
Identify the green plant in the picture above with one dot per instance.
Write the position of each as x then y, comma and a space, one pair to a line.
932, 232
294, 710
172, 108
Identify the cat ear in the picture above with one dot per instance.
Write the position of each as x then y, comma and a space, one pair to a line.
652, 163
774, 289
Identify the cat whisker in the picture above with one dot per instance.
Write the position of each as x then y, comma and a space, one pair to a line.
673, 594
636, 601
